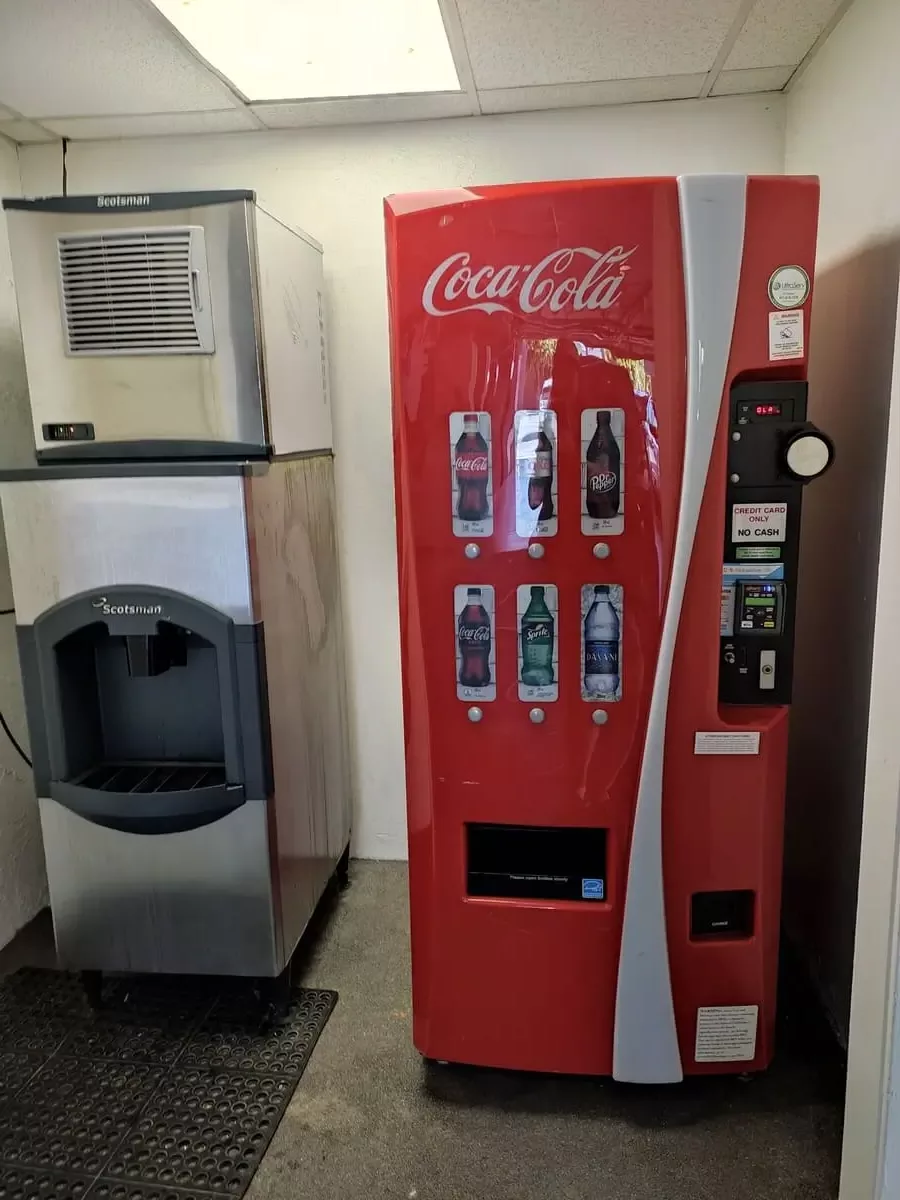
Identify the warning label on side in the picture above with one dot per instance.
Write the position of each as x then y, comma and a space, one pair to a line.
786, 334
726, 1034
758, 522
726, 743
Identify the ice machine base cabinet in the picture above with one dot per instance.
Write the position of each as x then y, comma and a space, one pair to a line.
599, 403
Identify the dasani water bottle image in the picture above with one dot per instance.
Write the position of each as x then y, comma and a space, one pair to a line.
601, 605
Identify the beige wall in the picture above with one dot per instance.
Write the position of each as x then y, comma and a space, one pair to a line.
332, 183
22, 882
845, 776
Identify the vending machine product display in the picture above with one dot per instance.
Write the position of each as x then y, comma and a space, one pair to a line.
598, 594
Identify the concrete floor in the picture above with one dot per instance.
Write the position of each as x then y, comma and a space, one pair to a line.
370, 1121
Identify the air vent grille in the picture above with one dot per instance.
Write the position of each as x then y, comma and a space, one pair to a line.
135, 292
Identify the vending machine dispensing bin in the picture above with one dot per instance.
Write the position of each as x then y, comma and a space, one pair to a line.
600, 442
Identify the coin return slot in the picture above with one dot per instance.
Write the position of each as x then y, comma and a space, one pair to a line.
722, 914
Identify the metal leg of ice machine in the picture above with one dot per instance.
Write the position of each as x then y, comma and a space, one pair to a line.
180, 643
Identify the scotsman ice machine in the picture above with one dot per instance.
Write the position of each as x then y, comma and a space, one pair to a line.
175, 578
601, 441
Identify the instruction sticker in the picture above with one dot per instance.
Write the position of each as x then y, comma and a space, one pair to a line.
726, 743
758, 522
726, 1034
786, 334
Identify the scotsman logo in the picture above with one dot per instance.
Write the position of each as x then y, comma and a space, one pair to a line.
123, 201
126, 610
576, 275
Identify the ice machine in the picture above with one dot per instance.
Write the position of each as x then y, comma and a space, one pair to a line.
175, 577
601, 441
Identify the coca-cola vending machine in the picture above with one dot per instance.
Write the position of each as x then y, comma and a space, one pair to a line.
601, 441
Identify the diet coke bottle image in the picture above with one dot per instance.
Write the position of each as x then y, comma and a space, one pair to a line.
602, 610
602, 470
471, 467
474, 642
537, 606
535, 437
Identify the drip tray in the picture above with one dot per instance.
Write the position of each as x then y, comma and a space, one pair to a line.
147, 777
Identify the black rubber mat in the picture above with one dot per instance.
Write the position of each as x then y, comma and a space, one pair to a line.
172, 1090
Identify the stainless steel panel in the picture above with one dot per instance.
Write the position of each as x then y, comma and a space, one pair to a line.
188, 533
187, 903
175, 396
296, 588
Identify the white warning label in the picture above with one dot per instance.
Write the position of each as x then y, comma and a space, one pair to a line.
726, 743
758, 522
726, 1034
786, 334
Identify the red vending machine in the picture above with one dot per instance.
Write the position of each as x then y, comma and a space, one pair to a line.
600, 441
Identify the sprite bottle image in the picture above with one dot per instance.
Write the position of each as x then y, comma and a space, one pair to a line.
536, 631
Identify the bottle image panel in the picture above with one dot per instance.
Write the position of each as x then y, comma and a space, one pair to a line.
538, 651
601, 642
535, 451
602, 471
472, 498
476, 668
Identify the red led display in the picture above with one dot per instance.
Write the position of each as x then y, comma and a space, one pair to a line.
768, 410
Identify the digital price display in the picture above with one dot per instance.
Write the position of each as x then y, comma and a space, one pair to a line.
767, 410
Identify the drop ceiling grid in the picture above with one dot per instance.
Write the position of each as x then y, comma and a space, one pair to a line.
778, 33
135, 64
516, 43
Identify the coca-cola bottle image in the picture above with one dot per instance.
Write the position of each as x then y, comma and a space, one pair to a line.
537, 633
474, 637
471, 466
540, 482
603, 487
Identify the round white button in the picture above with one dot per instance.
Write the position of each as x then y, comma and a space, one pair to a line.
535, 550
536, 716
599, 716
472, 550
601, 550
475, 714
808, 456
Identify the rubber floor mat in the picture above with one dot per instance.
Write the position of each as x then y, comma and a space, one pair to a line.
171, 1091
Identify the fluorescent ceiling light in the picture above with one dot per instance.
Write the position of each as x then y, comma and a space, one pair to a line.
298, 49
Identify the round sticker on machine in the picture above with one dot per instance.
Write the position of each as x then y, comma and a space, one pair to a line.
788, 287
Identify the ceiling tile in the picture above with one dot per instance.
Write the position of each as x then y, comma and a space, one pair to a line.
233, 120
515, 43
99, 56
753, 79
25, 131
583, 95
779, 33
363, 110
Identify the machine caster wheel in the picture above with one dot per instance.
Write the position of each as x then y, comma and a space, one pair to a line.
275, 996
342, 871
92, 982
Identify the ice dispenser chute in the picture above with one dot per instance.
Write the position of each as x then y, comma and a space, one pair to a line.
151, 707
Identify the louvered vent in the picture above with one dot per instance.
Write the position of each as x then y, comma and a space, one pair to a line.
136, 292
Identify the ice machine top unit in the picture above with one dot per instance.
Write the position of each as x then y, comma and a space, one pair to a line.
601, 437
169, 325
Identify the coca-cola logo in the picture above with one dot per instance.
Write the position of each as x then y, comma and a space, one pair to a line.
475, 633
575, 275
471, 464
602, 481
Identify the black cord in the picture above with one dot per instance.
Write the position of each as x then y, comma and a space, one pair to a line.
8, 612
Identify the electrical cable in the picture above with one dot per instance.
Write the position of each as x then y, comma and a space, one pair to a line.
8, 612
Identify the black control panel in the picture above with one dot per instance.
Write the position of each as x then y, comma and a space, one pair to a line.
762, 532
74, 431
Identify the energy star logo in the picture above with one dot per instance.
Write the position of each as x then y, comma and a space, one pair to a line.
126, 610
123, 201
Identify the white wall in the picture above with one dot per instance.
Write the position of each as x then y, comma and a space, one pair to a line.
331, 182
22, 880
842, 125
